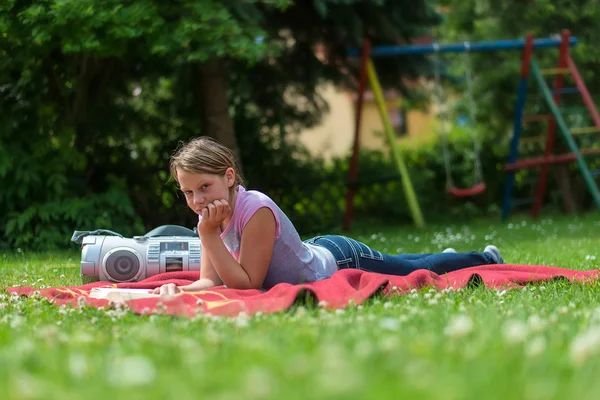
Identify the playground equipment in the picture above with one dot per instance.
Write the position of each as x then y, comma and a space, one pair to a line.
443, 116
552, 98
368, 72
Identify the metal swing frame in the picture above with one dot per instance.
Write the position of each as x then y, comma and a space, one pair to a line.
367, 53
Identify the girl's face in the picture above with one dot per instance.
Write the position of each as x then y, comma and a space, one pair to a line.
202, 189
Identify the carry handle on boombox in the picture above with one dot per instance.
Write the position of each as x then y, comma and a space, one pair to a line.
79, 235
164, 230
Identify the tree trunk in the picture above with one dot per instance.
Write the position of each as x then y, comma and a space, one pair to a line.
561, 174
211, 91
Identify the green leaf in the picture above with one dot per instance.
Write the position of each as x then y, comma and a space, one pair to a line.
320, 8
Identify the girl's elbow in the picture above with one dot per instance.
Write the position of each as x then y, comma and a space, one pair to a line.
245, 285
253, 285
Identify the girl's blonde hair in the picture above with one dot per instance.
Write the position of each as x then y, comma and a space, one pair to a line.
204, 155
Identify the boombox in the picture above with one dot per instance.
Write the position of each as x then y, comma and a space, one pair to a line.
108, 256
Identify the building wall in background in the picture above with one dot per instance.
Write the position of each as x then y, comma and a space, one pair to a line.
334, 137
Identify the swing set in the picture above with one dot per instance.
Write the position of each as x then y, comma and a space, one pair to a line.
368, 72
443, 116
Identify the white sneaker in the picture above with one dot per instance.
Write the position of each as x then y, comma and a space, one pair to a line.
494, 253
449, 250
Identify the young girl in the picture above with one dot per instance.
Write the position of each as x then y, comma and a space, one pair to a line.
249, 243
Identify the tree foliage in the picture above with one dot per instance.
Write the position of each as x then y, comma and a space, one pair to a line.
95, 96
498, 73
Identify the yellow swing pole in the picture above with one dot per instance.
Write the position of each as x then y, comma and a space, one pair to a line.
409, 192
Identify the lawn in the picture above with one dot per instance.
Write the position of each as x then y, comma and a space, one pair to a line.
540, 342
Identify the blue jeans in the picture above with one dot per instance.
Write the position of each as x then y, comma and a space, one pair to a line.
350, 253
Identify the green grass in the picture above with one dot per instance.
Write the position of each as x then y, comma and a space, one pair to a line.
541, 342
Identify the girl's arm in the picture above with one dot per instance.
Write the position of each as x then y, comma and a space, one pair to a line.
208, 276
208, 279
256, 249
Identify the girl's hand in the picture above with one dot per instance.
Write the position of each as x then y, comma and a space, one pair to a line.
213, 216
170, 289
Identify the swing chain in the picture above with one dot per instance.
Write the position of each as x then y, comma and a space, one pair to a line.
472, 112
442, 114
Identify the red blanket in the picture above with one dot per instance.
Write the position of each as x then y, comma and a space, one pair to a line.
343, 287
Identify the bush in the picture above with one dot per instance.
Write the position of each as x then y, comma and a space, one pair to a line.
134, 195
49, 225
312, 192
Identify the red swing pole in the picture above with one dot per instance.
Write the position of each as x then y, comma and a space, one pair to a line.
353, 170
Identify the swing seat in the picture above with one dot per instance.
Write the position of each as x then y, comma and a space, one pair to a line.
467, 192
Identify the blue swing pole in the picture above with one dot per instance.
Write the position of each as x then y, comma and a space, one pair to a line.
514, 143
495, 45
